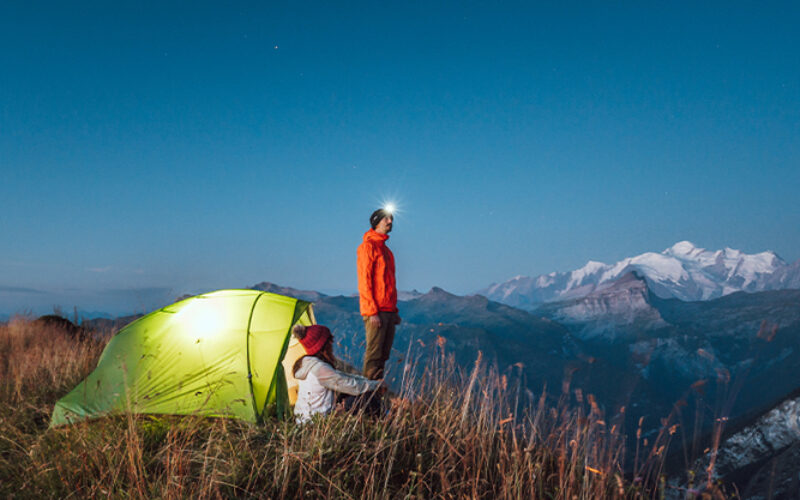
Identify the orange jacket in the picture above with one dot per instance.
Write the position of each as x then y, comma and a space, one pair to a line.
377, 287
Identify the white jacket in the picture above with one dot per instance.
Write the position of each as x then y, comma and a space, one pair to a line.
318, 383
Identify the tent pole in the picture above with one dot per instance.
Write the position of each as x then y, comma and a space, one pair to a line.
249, 370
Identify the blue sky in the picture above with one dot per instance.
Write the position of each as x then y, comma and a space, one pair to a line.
161, 148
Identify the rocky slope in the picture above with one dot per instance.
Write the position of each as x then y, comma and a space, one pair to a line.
622, 309
760, 456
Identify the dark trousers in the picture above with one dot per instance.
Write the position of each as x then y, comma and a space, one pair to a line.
371, 403
379, 344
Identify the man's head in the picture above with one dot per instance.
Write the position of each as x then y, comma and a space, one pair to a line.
381, 221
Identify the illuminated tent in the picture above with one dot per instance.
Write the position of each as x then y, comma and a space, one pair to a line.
219, 354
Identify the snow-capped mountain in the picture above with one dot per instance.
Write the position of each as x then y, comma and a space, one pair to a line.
682, 271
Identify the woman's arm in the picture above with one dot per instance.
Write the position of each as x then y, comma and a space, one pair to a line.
335, 380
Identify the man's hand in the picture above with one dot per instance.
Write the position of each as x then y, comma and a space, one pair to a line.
375, 321
397, 319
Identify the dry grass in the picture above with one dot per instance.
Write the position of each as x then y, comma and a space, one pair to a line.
451, 434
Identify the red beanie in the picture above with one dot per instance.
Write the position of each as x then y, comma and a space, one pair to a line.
315, 338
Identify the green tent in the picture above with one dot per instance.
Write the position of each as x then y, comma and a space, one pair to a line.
217, 354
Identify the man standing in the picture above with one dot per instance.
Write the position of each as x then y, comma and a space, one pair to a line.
377, 290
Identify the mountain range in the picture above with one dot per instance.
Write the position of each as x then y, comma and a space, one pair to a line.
682, 271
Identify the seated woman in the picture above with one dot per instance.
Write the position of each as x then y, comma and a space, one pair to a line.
318, 380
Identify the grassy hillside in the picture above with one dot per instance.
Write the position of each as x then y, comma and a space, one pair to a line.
450, 434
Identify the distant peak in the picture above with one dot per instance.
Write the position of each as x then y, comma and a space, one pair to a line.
684, 247
406, 296
438, 292
264, 284
593, 265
